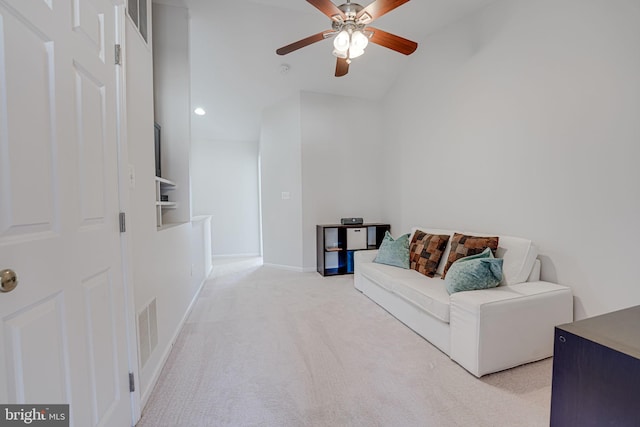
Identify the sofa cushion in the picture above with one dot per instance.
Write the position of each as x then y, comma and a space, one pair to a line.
394, 252
480, 271
519, 257
519, 254
426, 251
427, 293
463, 245
383, 275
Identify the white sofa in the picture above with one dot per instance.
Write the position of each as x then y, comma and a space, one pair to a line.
484, 331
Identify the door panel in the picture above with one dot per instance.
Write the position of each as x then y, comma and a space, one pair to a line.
91, 132
31, 333
102, 343
62, 329
27, 169
89, 22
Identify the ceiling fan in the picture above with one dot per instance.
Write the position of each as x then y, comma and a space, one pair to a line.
350, 27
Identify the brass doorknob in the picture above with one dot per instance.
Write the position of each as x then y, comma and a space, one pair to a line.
8, 280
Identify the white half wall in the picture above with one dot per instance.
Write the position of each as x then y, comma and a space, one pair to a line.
224, 185
523, 119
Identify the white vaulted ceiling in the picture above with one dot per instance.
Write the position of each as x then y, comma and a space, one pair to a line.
235, 72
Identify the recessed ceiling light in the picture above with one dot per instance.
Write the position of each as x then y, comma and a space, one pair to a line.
200, 111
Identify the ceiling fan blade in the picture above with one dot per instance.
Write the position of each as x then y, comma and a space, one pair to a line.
380, 7
392, 41
304, 42
342, 67
328, 8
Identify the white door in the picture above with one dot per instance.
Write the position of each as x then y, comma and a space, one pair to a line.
62, 329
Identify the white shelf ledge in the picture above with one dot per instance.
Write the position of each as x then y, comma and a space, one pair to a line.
165, 181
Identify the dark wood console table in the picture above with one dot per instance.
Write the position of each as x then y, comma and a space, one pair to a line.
596, 371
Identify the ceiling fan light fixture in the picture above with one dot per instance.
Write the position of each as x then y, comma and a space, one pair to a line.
358, 41
340, 53
354, 53
342, 41
351, 33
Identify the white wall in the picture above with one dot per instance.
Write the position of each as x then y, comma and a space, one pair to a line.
524, 120
224, 176
325, 151
341, 163
167, 265
280, 167
201, 259
172, 103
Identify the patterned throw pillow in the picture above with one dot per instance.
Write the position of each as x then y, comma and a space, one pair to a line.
426, 250
394, 252
463, 245
480, 271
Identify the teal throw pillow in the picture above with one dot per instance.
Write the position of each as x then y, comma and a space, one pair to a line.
394, 252
480, 271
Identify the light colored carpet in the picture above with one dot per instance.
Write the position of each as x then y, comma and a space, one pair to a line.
226, 265
268, 347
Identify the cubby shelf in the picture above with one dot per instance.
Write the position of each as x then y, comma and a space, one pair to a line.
163, 188
336, 244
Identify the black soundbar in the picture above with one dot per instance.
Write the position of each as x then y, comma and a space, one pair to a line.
356, 221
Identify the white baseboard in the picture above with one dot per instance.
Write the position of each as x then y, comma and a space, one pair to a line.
291, 268
236, 255
283, 267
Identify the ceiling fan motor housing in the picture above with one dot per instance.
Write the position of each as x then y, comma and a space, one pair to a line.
349, 22
348, 25
350, 10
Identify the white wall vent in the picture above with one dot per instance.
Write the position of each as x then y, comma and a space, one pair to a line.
147, 331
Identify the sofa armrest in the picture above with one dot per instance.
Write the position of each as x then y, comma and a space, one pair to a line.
360, 257
499, 328
364, 256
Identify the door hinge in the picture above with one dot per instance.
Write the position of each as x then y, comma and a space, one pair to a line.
132, 383
122, 220
118, 55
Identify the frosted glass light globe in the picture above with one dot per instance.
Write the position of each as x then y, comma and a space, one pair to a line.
359, 41
341, 42
340, 53
354, 53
